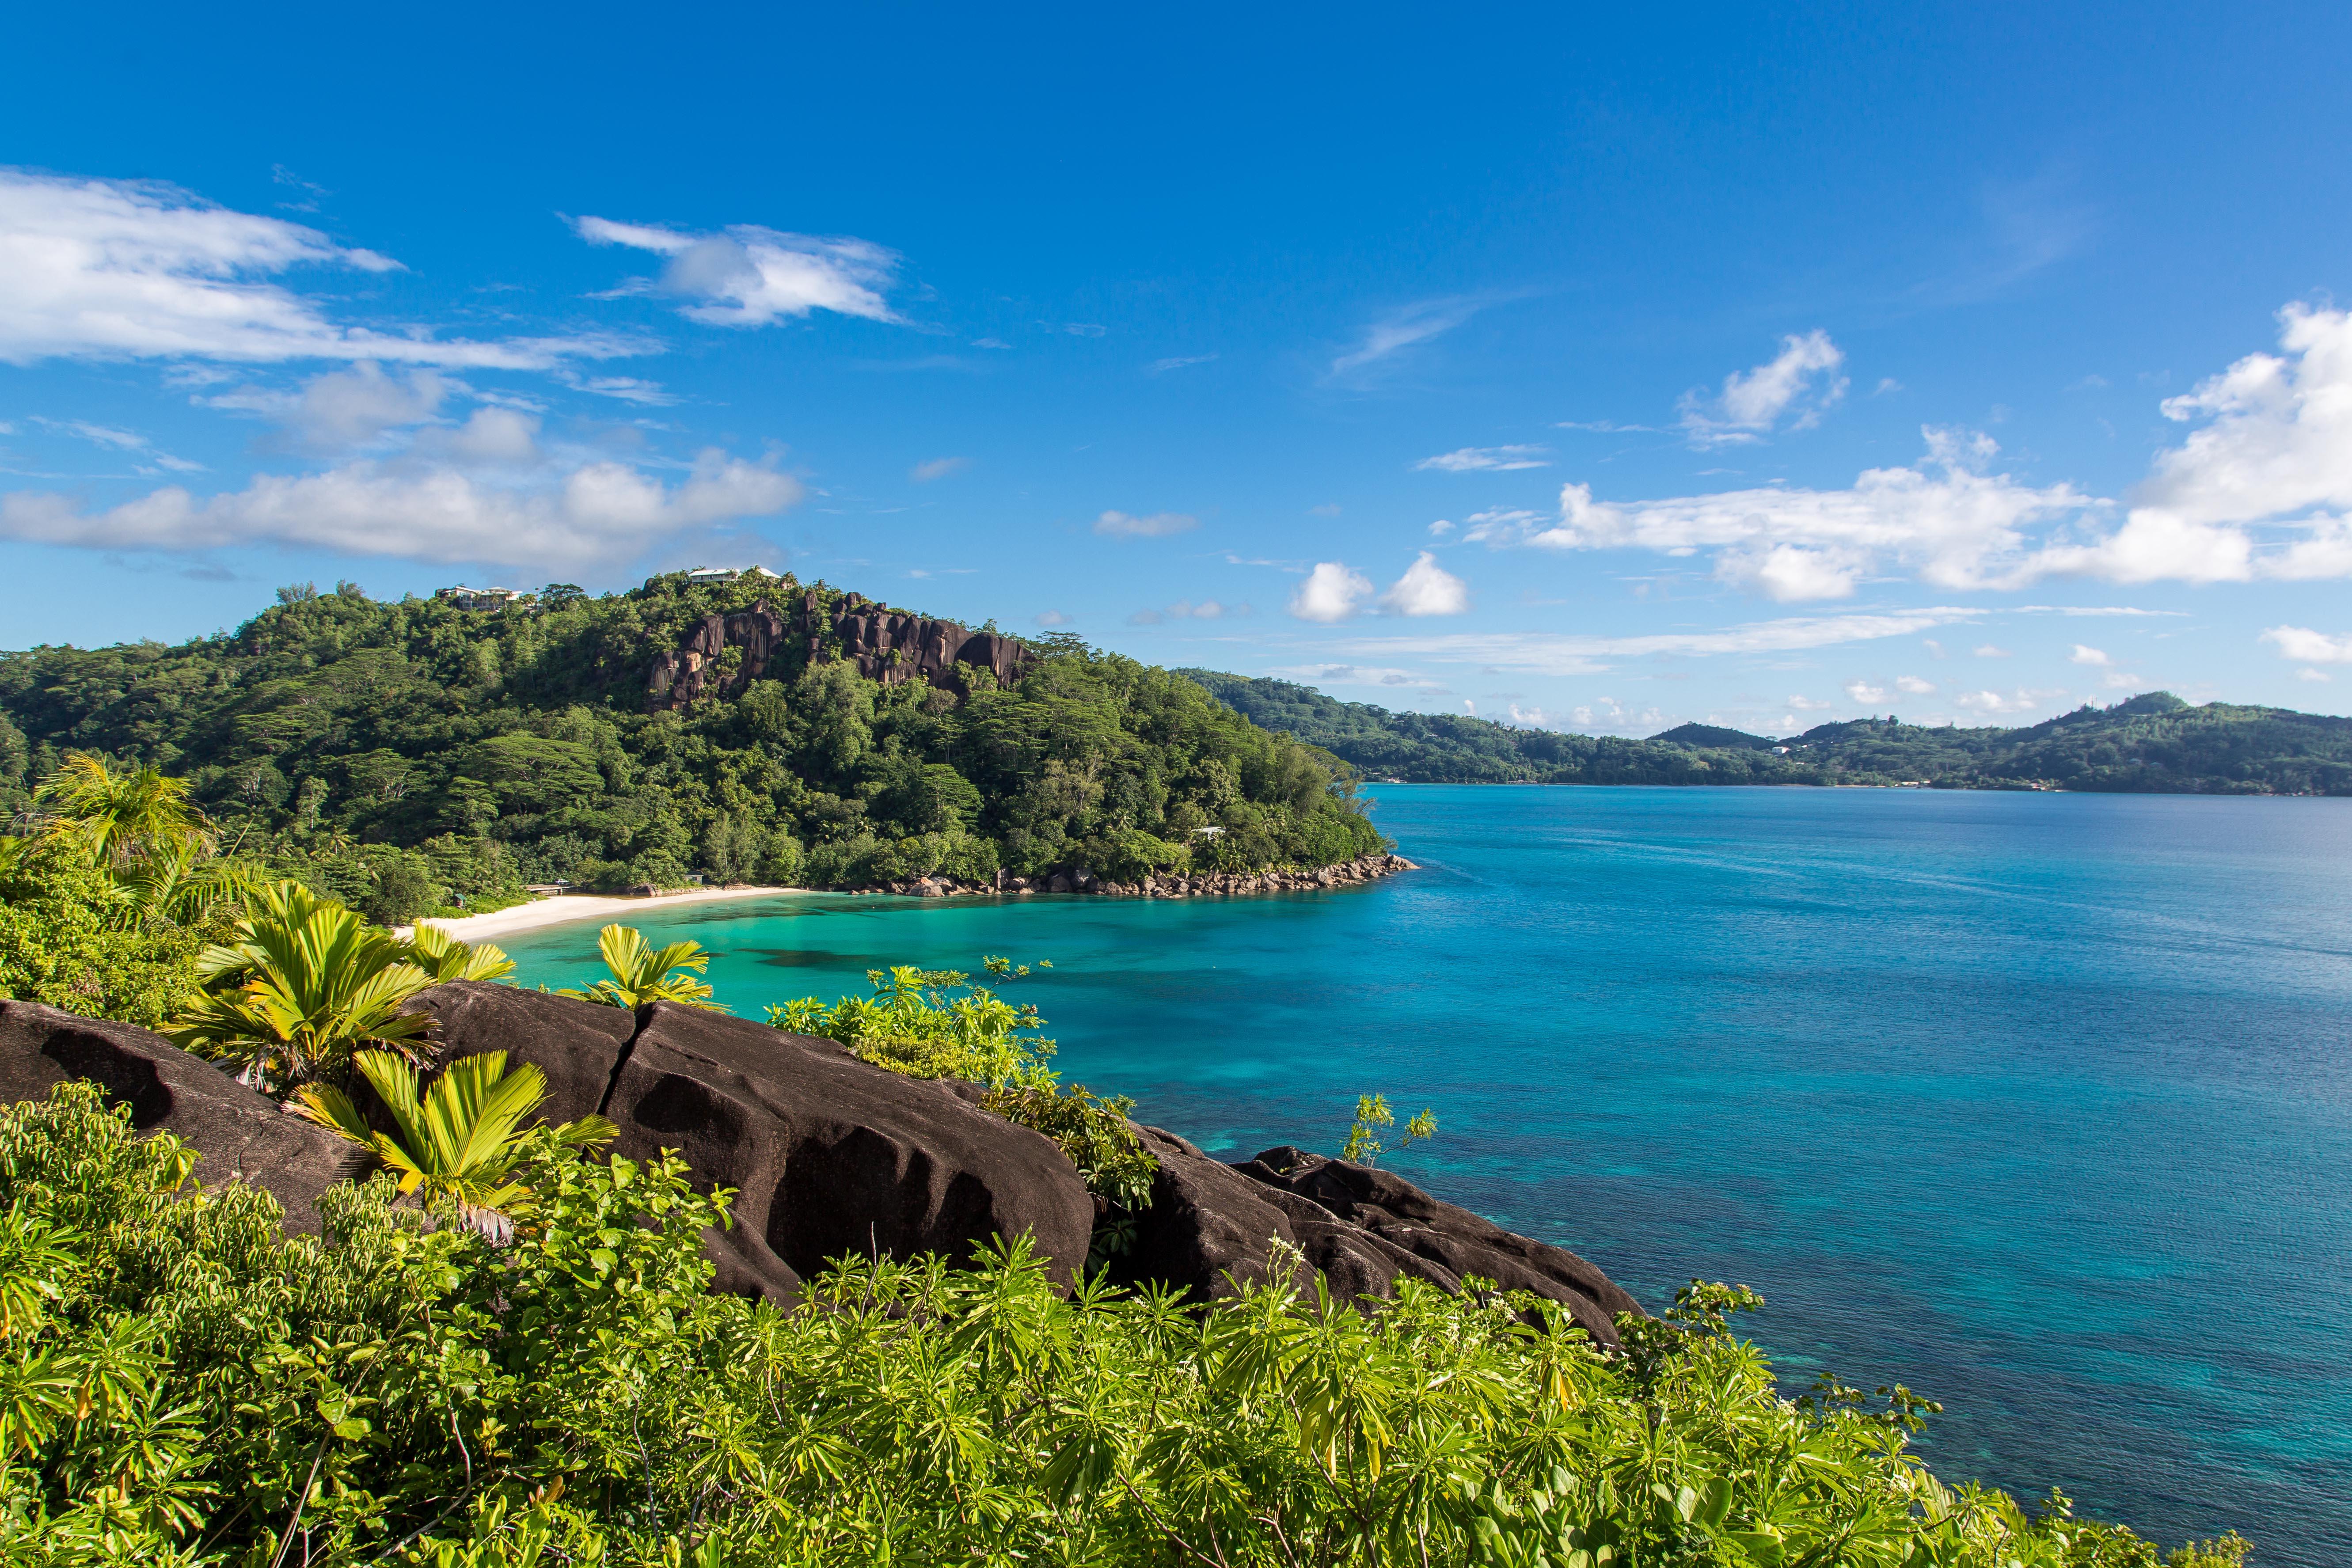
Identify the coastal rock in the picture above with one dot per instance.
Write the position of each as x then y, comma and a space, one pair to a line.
240, 1133
831, 1155
1211, 1230
1443, 1238
677, 677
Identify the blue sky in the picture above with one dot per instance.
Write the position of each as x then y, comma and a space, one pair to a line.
1602, 371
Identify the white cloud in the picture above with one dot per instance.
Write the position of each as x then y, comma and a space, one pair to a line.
1798, 381
1987, 650
923, 473
1330, 593
1807, 704
595, 512
2083, 655
1440, 528
1912, 685
1426, 589
491, 437
2307, 646
1362, 675
1993, 702
2260, 492
346, 408
1052, 618
1162, 366
1400, 330
2307, 673
1159, 525
1186, 610
1862, 691
113, 269
750, 277
1496, 525
1478, 459
1956, 526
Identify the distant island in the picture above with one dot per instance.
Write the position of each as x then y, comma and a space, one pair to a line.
722, 725
2153, 743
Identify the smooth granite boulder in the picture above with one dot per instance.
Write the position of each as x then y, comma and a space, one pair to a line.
1211, 1229
578, 1045
239, 1132
830, 1155
1444, 1240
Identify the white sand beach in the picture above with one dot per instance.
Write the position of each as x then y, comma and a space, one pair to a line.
566, 906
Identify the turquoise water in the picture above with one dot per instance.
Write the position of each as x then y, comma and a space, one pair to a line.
2041, 1104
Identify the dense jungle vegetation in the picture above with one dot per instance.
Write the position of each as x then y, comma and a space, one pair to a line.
399, 755
2154, 744
503, 1351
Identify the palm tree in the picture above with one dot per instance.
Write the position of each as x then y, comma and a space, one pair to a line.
459, 1139
180, 881
641, 974
305, 980
119, 817
444, 958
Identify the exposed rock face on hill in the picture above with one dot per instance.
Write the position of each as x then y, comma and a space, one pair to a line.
240, 1133
830, 1155
678, 678
884, 645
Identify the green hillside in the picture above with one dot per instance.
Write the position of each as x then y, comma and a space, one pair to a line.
2154, 744
482, 749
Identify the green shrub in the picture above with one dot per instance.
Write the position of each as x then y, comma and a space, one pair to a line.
188, 1386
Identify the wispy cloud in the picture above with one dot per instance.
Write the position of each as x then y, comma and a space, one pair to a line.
1162, 366
1480, 460
747, 276
136, 270
2306, 646
129, 441
935, 468
1401, 330
1158, 525
1544, 653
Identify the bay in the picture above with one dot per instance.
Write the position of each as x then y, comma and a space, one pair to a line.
2040, 1104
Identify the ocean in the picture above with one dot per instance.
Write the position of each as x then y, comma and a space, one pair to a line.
2040, 1104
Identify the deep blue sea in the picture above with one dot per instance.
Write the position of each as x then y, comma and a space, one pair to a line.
2041, 1104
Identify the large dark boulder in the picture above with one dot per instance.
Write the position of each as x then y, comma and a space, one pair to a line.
578, 1045
240, 1133
828, 1156
1211, 1227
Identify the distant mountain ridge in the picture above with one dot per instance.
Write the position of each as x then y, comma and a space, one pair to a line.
2153, 743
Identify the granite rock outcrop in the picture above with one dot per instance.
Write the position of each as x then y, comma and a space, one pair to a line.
1212, 1228
829, 1156
241, 1135
883, 644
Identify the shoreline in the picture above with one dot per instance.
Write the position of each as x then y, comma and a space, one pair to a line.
564, 907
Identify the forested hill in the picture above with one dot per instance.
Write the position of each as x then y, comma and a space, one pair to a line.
633, 738
2152, 743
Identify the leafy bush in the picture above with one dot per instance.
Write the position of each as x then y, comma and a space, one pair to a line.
188, 1386
62, 941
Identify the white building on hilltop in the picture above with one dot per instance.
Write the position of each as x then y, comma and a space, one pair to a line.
467, 598
728, 574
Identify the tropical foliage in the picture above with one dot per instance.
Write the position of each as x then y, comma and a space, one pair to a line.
642, 973
400, 756
2151, 743
460, 1140
302, 984
1373, 1117
184, 1385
